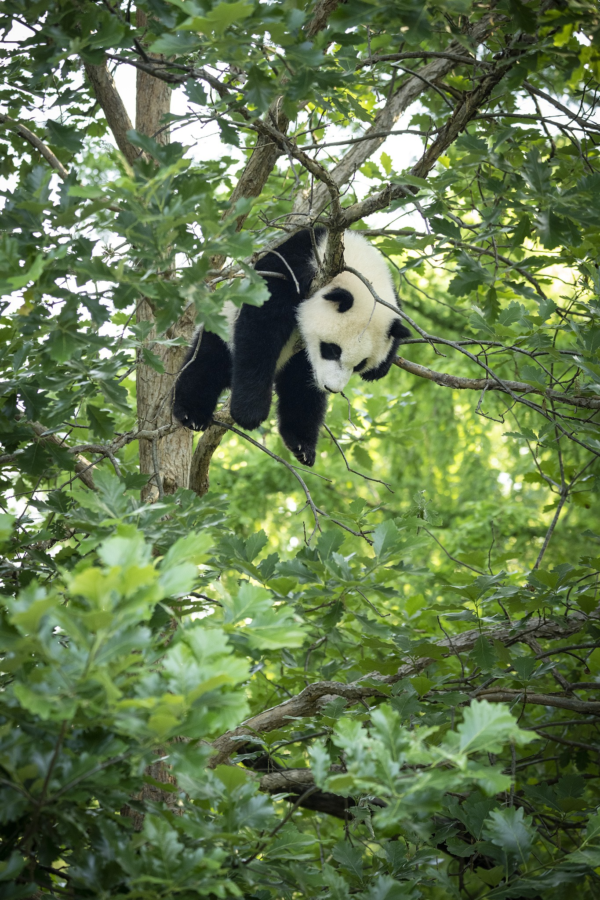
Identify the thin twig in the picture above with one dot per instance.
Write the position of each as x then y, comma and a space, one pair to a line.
354, 471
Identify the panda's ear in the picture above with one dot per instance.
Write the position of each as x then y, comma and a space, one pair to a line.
342, 297
397, 330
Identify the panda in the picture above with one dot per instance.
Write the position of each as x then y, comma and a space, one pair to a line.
304, 346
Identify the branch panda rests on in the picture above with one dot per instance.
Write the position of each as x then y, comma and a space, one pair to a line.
341, 329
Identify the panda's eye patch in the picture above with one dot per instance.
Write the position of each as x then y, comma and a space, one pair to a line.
361, 365
330, 351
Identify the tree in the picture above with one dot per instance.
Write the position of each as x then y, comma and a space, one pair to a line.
377, 678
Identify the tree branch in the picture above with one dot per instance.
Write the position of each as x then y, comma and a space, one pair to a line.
311, 204
423, 54
314, 697
465, 111
488, 384
205, 448
323, 10
585, 124
35, 141
83, 467
556, 700
113, 107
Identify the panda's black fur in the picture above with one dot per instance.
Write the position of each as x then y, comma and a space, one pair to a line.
263, 350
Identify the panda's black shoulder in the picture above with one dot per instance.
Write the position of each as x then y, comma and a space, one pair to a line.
298, 253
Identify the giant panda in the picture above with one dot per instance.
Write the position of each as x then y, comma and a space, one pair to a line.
303, 346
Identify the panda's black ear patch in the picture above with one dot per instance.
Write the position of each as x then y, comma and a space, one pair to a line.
397, 330
342, 297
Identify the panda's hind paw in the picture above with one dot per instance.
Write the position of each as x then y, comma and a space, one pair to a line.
304, 455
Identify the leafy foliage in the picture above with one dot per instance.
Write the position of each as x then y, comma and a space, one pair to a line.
419, 680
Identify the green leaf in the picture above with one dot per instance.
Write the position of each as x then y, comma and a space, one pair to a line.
488, 727
483, 653
510, 830
469, 277
151, 359
386, 163
65, 136
177, 44
524, 17
229, 134
31, 273
232, 777
385, 537
349, 858
101, 421
255, 543
7, 522
220, 17
259, 88
421, 684
362, 457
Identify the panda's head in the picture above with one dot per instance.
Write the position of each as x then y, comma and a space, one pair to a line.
345, 331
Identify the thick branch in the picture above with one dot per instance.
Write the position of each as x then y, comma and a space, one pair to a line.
295, 783
488, 384
260, 165
83, 467
557, 700
313, 203
34, 140
113, 107
323, 10
313, 698
204, 451
464, 112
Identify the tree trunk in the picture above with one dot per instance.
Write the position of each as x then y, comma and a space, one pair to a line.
169, 458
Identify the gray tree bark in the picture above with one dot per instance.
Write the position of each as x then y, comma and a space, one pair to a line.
169, 458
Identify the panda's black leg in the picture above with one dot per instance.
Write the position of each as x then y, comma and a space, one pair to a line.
205, 373
301, 408
260, 335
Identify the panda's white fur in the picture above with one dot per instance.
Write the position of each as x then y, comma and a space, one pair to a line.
362, 331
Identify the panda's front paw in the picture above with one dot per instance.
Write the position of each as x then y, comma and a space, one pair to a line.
194, 417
